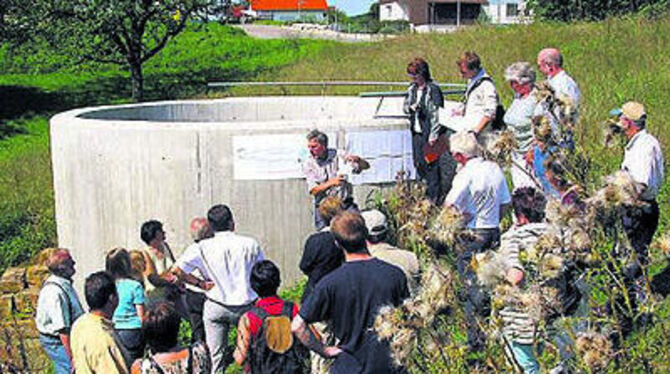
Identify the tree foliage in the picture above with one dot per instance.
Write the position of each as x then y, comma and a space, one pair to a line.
589, 10
123, 32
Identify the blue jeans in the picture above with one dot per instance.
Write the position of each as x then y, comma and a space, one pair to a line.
525, 357
56, 352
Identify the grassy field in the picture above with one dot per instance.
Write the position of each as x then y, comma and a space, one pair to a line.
613, 61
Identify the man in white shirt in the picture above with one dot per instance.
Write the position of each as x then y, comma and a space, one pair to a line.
550, 63
480, 193
57, 309
643, 161
226, 259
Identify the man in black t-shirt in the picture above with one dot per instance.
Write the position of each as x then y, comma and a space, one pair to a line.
350, 297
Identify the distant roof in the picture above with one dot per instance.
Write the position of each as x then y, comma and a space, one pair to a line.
289, 5
483, 2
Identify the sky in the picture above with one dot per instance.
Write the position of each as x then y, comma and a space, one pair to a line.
352, 7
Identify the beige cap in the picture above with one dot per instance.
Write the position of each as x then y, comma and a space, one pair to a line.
375, 221
464, 143
632, 110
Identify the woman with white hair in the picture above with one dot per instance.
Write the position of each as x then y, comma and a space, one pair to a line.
518, 118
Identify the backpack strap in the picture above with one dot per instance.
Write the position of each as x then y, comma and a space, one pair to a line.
475, 85
287, 310
259, 312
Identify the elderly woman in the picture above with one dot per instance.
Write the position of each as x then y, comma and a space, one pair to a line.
518, 118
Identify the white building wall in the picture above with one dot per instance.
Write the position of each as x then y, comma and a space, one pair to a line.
499, 11
393, 12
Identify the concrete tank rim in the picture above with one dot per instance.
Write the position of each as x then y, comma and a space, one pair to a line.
72, 117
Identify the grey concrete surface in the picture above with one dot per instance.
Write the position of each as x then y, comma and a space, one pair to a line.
116, 167
288, 32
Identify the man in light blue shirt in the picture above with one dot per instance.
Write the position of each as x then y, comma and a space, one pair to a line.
57, 308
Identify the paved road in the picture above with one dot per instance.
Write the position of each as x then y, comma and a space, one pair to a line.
282, 32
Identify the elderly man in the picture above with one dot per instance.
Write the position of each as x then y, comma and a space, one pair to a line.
95, 346
480, 193
377, 226
643, 161
58, 307
374, 283
550, 63
323, 176
226, 259
482, 110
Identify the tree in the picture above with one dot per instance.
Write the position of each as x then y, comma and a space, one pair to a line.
13, 22
573, 10
122, 32
374, 10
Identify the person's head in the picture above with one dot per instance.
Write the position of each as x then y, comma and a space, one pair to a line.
550, 61
463, 146
317, 143
632, 117
220, 218
556, 174
377, 226
100, 292
60, 263
199, 229
138, 265
419, 71
469, 64
265, 278
350, 232
152, 233
329, 208
117, 263
528, 205
160, 327
521, 77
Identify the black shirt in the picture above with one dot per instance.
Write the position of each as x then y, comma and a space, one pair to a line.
349, 298
319, 257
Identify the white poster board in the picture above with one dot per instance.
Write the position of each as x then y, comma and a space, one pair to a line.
270, 157
388, 152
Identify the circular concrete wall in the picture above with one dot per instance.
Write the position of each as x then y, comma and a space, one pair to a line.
118, 166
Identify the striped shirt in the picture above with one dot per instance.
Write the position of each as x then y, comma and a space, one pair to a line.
643, 161
518, 325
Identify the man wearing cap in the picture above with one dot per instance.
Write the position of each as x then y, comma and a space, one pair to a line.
377, 226
480, 193
643, 161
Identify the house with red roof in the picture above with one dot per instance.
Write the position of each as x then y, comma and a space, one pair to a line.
290, 10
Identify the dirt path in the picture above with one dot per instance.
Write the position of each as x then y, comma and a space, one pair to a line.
283, 32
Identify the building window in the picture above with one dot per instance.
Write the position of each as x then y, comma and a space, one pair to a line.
389, 11
512, 10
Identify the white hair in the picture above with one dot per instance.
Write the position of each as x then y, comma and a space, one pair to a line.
520, 72
464, 143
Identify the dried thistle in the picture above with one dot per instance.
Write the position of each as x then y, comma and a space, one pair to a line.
447, 226
663, 243
550, 266
594, 349
501, 149
489, 267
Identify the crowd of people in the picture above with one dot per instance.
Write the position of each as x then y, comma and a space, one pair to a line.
223, 280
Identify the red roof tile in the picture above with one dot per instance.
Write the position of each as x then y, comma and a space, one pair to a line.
289, 5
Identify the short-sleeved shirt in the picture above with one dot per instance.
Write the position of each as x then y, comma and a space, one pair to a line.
57, 306
96, 348
318, 171
161, 264
518, 118
479, 190
131, 293
319, 257
482, 99
350, 298
226, 259
563, 84
643, 161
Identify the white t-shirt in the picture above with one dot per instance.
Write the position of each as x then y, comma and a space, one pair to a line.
643, 161
478, 191
563, 84
226, 259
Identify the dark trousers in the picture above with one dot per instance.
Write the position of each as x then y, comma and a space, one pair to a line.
133, 341
477, 300
195, 302
639, 225
437, 175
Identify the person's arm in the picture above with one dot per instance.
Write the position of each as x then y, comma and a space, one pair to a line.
490, 104
243, 341
321, 187
433, 108
361, 163
140, 311
308, 339
64, 337
482, 124
191, 279
150, 272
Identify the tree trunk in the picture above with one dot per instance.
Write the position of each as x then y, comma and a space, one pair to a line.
137, 80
